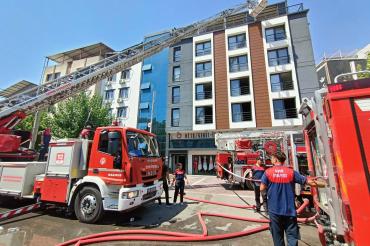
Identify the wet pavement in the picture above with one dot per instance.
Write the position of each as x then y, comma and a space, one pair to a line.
53, 226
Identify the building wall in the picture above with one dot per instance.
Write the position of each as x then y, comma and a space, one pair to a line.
131, 102
303, 53
186, 87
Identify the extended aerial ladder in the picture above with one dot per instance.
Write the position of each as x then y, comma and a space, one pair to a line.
52, 92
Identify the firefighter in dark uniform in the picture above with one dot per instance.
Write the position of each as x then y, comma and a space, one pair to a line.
165, 178
279, 181
179, 181
257, 172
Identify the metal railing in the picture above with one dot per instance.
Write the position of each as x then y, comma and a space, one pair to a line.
275, 37
203, 73
206, 119
289, 113
175, 99
203, 95
175, 122
242, 116
240, 91
279, 61
237, 45
238, 67
282, 86
177, 58
203, 52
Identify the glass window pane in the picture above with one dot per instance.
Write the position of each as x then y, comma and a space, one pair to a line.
207, 45
207, 66
283, 52
242, 59
232, 39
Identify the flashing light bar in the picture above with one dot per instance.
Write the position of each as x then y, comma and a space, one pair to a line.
350, 85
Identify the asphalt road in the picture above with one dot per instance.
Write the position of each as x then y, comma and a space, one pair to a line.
53, 226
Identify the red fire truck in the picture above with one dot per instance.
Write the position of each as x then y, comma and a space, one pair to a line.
239, 150
118, 171
337, 136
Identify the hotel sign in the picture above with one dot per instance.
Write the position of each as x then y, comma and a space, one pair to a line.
192, 135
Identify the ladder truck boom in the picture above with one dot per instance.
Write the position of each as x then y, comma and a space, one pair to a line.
47, 94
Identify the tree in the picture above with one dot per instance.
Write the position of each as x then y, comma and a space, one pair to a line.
359, 68
68, 118
27, 123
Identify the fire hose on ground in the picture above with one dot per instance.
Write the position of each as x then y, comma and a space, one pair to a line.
167, 236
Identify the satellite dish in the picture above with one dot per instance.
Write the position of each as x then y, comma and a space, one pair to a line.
256, 6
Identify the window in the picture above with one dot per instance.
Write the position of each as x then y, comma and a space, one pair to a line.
237, 42
275, 34
278, 57
123, 92
238, 63
141, 145
175, 94
203, 69
202, 49
122, 112
204, 115
203, 91
52, 76
177, 54
285, 108
175, 117
241, 112
111, 78
109, 95
239, 87
281, 82
125, 74
176, 73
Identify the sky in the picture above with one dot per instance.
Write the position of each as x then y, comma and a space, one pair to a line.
31, 30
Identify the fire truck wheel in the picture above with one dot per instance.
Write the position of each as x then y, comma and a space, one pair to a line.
88, 205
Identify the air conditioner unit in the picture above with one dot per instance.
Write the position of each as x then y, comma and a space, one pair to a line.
120, 100
122, 81
108, 83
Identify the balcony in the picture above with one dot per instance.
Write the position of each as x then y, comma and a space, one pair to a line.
242, 116
175, 122
203, 95
289, 113
206, 119
203, 52
282, 86
240, 91
279, 61
237, 45
175, 99
203, 73
238, 67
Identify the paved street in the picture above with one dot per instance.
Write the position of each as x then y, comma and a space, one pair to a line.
53, 227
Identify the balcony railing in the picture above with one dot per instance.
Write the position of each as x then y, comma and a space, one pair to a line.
203, 73
242, 116
237, 45
176, 58
207, 119
175, 122
240, 91
203, 52
289, 113
279, 61
203, 95
275, 37
175, 99
176, 77
282, 86
238, 67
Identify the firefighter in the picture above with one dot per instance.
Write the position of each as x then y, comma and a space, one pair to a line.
86, 132
257, 171
279, 182
45, 141
179, 181
165, 178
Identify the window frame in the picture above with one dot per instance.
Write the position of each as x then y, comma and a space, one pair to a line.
176, 54
238, 67
204, 50
204, 72
236, 45
175, 122
278, 59
176, 78
174, 101
275, 34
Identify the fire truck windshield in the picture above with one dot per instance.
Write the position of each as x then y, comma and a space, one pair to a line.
141, 145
